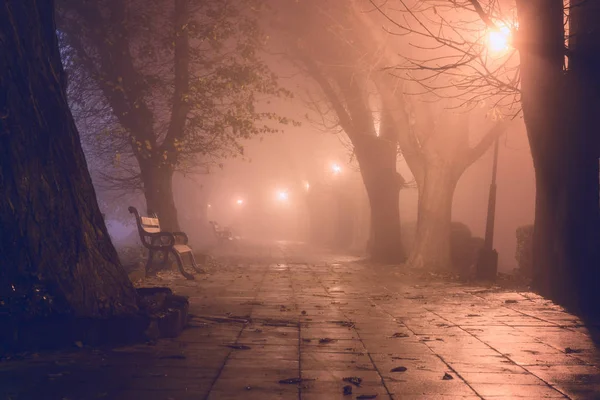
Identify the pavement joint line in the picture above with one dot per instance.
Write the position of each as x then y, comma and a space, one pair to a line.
430, 348
237, 338
296, 306
519, 311
481, 341
368, 353
505, 356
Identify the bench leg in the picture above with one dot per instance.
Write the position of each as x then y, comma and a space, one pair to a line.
180, 266
149, 262
165, 258
194, 265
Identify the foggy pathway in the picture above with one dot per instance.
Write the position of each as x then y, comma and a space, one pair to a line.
288, 322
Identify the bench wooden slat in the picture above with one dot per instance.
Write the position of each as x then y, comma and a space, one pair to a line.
182, 248
150, 222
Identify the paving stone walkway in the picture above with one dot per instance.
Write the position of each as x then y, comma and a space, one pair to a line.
292, 323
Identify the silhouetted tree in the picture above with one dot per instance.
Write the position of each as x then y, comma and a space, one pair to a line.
175, 83
320, 44
556, 85
55, 253
343, 52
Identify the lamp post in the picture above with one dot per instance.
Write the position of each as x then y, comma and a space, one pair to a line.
487, 262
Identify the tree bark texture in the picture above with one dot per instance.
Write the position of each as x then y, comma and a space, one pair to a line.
560, 111
158, 190
377, 160
431, 247
55, 253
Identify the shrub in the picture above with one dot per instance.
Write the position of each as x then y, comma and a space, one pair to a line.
524, 252
463, 246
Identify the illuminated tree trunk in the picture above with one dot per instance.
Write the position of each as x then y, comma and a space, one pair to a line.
560, 111
431, 247
158, 191
377, 161
55, 253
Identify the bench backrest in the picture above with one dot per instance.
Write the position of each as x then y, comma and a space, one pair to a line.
146, 225
149, 224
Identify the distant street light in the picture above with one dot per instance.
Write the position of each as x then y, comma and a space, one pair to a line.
240, 202
282, 195
336, 169
306, 186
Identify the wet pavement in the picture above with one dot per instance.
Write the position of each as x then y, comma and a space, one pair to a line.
293, 323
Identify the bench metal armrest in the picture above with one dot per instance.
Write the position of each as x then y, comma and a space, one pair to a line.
160, 236
182, 235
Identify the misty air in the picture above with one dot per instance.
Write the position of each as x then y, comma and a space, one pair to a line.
299, 199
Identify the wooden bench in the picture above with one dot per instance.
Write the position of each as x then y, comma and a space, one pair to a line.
157, 241
222, 234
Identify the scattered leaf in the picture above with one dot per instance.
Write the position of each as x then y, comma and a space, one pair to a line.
355, 380
326, 340
399, 335
570, 350
510, 301
347, 390
291, 381
399, 369
366, 396
447, 377
239, 346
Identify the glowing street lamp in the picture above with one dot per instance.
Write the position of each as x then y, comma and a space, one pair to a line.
306, 186
336, 169
499, 39
239, 202
283, 195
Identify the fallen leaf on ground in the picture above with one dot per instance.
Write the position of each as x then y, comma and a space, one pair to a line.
291, 381
399, 335
239, 347
366, 396
347, 390
355, 380
447, 377
399, 369
510, 301
570, 350
326, 340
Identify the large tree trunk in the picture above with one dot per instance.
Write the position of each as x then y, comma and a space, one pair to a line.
559, 111
158, 190
377, 160
431, 247
56, 255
